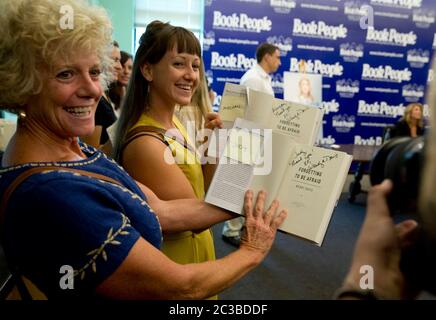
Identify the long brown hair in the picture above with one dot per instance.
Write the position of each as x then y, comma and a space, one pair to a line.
157, 39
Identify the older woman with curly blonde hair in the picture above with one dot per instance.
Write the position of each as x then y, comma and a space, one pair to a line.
65, 205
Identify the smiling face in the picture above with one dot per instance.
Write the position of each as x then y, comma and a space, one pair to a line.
67, 103
173, 79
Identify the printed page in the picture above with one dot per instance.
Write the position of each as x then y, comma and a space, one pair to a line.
233, 103
313, 182
218, 140
274, 163
299, 121
236, 167
259, 108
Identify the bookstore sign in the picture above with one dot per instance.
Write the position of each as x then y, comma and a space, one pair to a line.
374, 55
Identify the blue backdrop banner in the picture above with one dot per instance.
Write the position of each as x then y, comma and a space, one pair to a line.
374, 55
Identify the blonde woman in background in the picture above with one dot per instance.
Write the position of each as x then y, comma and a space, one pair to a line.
411, 124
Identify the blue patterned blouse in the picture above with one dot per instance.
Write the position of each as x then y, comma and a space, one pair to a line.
61, 218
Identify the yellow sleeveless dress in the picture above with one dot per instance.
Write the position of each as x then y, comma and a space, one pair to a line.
185, 247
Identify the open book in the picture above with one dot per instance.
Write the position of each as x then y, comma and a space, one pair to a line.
300, 122
306, 180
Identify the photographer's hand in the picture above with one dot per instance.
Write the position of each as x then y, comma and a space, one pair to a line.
379, 246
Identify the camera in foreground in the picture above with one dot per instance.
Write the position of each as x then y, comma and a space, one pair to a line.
402, 160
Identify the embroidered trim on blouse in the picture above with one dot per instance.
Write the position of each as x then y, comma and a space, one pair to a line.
56, 164
100, 251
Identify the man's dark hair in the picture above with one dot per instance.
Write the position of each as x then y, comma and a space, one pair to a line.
263, 49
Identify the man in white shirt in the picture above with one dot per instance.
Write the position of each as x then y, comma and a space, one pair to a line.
268, 61
257, 78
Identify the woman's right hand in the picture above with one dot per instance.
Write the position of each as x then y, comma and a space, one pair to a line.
260, 226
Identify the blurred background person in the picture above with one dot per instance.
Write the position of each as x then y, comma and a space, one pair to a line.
411, 124
117, 90
105, 114
268, 61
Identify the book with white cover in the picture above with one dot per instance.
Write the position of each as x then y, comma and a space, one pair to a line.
307, 180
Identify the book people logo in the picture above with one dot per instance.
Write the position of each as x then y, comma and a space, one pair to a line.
424, 18
418, 57
347, 88
284, 44
232, 62
379, 109
385, 73
343, 123
240, 22
208, 40
283, 6
403, 4
390, 37
356, 11
413, 92
351, 52
318, 67
318, 29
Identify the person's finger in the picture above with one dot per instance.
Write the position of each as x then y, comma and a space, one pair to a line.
377, 203
271, 212
248, 204
219, 122
278, 219
260, 203
405, 232
211, 116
